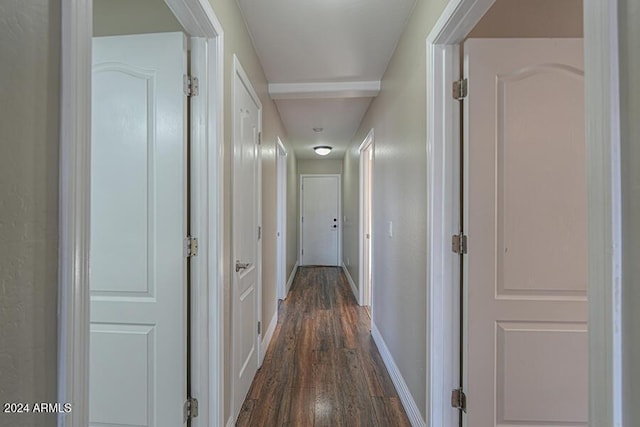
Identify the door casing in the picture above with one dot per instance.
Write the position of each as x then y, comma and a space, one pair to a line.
602, 101
199, 20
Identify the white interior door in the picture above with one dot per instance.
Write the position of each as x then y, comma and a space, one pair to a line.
320, 220
281, 233
246, 235
526, 271
367, 191
138, 345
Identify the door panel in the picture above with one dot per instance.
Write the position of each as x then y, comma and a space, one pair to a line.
526, 368
246, 241
526, 269
320, 219
138, 223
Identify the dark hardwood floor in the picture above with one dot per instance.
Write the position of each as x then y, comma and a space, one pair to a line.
322, 367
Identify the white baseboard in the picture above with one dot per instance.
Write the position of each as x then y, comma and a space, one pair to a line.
406, 398
268, 334
292, 276
354, 289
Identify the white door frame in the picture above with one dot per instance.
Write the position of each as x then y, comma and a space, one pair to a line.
301, 193
604, 208
281, 219
238, 71
199, 20
362, 292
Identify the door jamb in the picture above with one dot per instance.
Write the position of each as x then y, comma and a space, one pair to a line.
199, 19
366, 143
302, 176
604, 208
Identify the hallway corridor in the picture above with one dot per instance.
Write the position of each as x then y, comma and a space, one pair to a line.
322, 367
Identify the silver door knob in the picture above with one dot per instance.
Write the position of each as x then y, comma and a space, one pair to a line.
242, 265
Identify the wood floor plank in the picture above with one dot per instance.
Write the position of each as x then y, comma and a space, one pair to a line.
390, 411
301, 407
322, 367
328, 405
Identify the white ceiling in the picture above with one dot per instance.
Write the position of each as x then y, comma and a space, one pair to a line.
324, 60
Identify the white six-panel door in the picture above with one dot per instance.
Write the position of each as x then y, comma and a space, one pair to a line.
246, 235
320, 219
138, 340
525, 195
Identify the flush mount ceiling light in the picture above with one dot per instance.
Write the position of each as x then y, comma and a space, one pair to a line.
322, 150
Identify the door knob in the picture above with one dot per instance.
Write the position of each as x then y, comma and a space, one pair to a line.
242, 265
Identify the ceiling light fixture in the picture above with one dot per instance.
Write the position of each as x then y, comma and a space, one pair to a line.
322, 150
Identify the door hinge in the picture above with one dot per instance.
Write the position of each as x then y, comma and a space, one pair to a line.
259, 138
259, 328
190, 246
190, 409
460, 89
259, 232
190, 85
459, 244
459, 399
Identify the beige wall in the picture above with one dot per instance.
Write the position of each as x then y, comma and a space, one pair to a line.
237, 41
319, 166
629, 34
531, 18
29, 129
113, 17
398, 116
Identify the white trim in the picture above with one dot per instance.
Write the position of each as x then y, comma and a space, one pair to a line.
281, 145
603, 141
324, 90
292, 276
73, 258
604, 212
301, 193
199, 20
239, 71
443, 211
268, 335
366, 143
352, 284
406, 398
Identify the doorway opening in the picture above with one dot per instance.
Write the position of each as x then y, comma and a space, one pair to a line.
366, 220
444, 221
205, 202
281, 213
